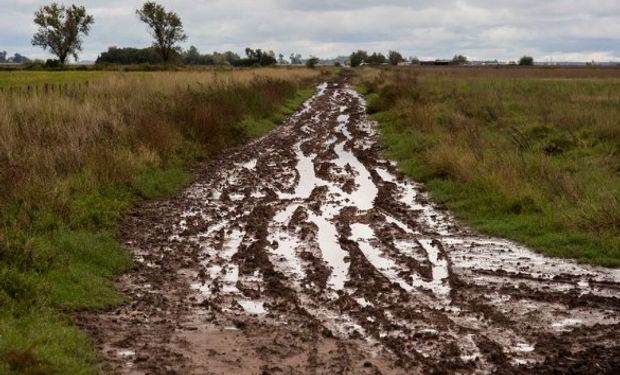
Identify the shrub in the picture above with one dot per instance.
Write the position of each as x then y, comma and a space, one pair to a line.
526, 61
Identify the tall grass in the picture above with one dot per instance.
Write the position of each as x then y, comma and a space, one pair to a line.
530, 154
72, 161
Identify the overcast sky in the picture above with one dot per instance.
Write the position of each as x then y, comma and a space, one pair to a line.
480, 29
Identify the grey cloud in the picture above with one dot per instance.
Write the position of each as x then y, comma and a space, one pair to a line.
478, 28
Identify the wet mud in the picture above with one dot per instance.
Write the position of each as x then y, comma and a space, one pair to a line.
306, 252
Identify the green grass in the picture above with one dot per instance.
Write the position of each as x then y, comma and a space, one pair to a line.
257, 127
532, 160
156, 182
42, 342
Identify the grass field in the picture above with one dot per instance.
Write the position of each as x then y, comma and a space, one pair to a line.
73, 160
21, 78
528, 154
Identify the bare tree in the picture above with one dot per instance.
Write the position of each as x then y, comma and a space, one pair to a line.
61, 29
166, 28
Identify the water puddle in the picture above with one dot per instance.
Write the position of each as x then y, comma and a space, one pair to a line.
363, 235
253, 307
332, 251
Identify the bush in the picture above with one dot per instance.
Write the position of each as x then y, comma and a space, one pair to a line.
311, 62
526, 60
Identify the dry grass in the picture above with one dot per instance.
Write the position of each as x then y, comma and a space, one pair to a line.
124, 121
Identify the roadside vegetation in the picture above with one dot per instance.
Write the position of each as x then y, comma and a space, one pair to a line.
73, 160
528, 154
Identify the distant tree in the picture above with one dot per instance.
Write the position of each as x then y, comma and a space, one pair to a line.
2, 56
311, 62
257, 57
526, 60
358, 57
128, 56
376, 59
414, 60
19, 59
295, 58
395, 57
61, 29
227, 57
459, 60
166, 28
281, 60
192, 56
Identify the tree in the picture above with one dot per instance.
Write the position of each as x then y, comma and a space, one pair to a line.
526, 60
395, 57
459, 60
295, 58
61, 29
19, 59
311, 62
127, 56
376, 59
256, 57
2, 56
166, 28
414, 60
192, 56
357, 58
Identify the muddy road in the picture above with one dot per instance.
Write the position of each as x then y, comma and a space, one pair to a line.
305, 252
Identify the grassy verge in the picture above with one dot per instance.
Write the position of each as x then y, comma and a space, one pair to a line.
257, 127
526, 155
71, 163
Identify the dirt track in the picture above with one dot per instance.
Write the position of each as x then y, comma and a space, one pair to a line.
306, 253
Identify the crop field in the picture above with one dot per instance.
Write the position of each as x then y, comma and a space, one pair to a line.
528, 154
74, 159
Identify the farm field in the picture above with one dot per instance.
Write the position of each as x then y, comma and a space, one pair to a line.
399, 220
527, 154
72, 161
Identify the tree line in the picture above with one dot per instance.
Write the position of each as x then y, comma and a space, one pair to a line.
361, 57
15, 59
61, 29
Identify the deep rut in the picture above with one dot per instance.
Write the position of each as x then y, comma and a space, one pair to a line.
305, 252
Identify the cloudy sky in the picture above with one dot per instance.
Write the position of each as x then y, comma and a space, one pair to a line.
480, 29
